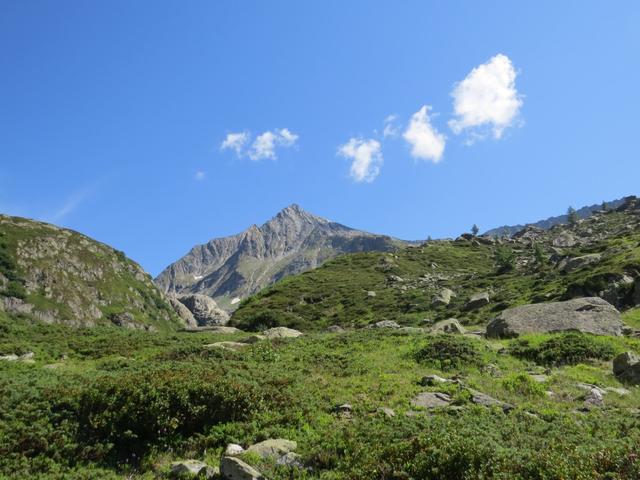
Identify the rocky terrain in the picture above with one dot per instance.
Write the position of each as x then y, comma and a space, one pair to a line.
584, 212
57, 275
514, 357
231, 268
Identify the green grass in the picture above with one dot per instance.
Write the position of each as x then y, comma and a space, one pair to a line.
163, 396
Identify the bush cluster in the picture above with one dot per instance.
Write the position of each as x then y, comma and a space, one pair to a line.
563, 349
450, 352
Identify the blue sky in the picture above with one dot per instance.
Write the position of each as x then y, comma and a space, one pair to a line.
113, 114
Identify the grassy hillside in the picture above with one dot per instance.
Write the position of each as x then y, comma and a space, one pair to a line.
61, 276
114, 403
355, 290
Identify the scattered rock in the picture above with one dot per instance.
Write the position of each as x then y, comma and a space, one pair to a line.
431, 400
234, 449
485, 400
290, 459
344, 410
430, 380
335, 329
539, 378
443, 298
235, 346
450, 325
594, 398
477, 301
26, 357
204, 309
589, 315
385, 324
193, 468
281, 332
570, 264
565, 240
626, 366
371, 293
232, 468
387, 412
617, 290
273, 448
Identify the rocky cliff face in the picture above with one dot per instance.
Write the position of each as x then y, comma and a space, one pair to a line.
228, 269
58, 275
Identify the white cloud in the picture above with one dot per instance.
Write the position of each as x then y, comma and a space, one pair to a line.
390, 128
264, 146
366, 156
426, 142
487, 99
200, 175
235, 142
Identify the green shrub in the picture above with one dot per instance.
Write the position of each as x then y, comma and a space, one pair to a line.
563, 349
449, 352
523, 384
133, 411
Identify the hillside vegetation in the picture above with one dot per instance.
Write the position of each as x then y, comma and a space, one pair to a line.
364, 288
115, 403
61, 276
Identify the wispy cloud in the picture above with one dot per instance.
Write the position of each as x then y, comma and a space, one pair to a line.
391, 129
71, 204
366, 158
486, 101
200, 175
426, 142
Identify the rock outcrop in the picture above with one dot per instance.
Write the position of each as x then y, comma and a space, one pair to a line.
56, 275
589, 315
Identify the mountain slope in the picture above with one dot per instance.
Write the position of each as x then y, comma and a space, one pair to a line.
60, 276
291, 242
600, 256
584, 212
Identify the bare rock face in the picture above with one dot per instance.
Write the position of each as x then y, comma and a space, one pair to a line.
477, 300
588, 315
291, 242
204, 309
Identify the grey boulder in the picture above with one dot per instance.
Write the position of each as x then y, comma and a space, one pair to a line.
588, 315
232, 468
431, 400
183, 312
443, 298
204, 309
450, 325
626, 367
273, 448
193, 468
477, 301
281, 332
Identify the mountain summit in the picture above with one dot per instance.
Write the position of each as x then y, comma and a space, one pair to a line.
230, 268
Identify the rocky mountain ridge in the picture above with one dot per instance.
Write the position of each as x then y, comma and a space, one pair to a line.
231, 268
584, 212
